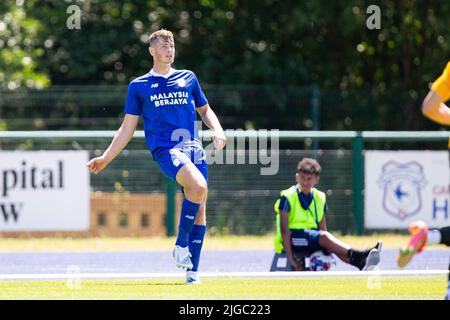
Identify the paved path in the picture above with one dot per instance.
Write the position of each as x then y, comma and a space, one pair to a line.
161, 261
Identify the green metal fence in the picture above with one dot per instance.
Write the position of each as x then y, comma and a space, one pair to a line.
99, 107
240, 199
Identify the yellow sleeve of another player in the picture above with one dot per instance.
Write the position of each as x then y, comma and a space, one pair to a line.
442, 84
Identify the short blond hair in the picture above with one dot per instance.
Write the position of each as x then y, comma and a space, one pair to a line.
160, 35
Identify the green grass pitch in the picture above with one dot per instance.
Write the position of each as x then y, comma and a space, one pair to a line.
228, 288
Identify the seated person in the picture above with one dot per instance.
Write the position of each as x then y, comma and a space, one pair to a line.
301, 223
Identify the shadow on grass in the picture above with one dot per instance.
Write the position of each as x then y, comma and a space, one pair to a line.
140, 284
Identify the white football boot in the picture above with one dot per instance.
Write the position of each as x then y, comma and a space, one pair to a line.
192, 277
182, 257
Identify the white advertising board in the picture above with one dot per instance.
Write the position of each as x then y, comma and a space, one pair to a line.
44, 191
404, 186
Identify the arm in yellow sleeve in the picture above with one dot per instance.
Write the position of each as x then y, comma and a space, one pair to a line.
442, 84
433, 106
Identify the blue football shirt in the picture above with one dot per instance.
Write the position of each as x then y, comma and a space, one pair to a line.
168, 105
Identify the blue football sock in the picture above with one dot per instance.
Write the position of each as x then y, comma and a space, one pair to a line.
195, 244
188, 213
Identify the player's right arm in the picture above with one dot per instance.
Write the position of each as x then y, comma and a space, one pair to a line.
133, 110
120, 140
433, 106
286, 235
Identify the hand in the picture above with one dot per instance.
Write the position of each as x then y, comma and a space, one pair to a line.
97, 164
219, 139
295, 265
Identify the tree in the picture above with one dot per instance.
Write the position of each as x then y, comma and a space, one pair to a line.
256, 50
20, 49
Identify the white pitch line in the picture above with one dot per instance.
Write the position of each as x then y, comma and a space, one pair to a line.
160, 275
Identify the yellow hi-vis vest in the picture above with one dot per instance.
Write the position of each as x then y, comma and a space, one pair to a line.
299, 218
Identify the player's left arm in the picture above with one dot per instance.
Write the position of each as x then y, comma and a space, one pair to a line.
210, 119
323, 222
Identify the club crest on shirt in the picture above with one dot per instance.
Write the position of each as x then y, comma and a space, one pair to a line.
402, 184
181, 82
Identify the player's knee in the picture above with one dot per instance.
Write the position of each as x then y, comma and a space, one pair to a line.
324, 235
201, 187
198, 189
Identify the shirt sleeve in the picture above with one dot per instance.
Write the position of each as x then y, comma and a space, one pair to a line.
442, 84
133, 104
284, 204
199, 97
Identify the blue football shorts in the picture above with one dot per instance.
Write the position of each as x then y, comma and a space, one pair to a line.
305, 240
171, 160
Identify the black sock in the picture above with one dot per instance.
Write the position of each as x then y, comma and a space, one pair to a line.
445, 235
357, 254
357, 258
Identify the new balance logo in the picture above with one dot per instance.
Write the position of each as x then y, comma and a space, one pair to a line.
197, 241
154, 85
190, 217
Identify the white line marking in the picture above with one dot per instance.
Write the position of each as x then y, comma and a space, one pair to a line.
160, 275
